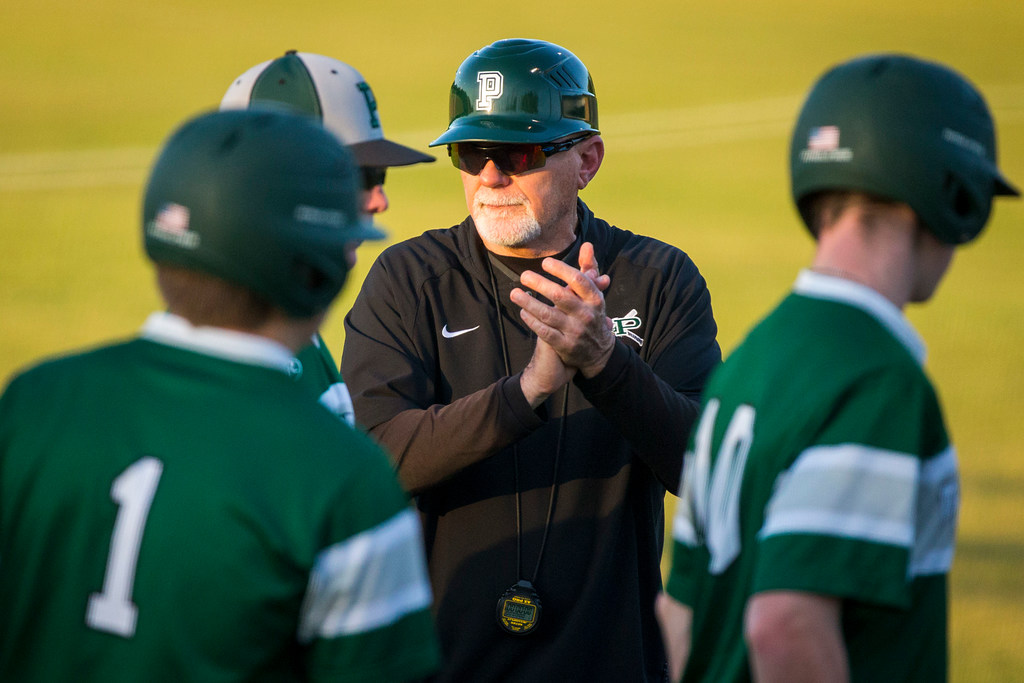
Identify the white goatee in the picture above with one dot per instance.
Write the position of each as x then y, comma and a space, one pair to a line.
504, 219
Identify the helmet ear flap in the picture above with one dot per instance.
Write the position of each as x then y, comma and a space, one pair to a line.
966, 206
320, 278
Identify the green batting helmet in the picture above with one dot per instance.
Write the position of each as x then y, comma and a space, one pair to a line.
903, 129
264, 199
520, 91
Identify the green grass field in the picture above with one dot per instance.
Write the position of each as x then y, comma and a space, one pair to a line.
696, 100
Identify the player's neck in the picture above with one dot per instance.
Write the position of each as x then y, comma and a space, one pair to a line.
293, 333
879, 255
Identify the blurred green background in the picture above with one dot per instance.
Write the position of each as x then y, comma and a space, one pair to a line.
696, 100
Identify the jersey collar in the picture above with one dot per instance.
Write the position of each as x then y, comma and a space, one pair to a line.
173, 330
820, 286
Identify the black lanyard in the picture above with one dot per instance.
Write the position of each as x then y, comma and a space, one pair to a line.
519, 607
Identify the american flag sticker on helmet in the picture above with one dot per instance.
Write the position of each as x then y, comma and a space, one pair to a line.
823, 137
172, 218
171, 225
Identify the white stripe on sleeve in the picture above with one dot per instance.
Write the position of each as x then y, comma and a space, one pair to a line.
367, 581
938, 504
847, 490
338, 400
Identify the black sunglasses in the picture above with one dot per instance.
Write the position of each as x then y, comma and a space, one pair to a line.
373, 176
513, 159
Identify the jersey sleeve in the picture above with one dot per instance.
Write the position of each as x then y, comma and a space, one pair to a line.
366, 613
856, 513
689, 556
319, 372
688, 561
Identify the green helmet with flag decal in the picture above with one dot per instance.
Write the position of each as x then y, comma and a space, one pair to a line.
903, 129
520, 91
267, 200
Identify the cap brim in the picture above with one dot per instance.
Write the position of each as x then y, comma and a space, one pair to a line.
382, 153
1003, 187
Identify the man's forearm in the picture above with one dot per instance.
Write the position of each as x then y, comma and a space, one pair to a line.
431, 445
653, 417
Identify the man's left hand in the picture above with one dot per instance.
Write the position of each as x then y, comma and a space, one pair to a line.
575, 325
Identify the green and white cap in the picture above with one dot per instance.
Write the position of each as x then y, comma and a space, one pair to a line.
330, 91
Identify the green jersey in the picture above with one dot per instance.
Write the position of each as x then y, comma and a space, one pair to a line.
315, 369
177, 508
821, 464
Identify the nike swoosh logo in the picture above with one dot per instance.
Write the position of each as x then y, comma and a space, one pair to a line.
448, 335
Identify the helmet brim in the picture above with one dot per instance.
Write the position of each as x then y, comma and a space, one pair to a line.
1003, 187
366, 229
511, 130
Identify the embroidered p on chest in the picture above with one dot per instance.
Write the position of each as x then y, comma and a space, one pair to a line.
624, 326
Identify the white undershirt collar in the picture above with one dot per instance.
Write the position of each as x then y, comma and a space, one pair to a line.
173, 330
821, 286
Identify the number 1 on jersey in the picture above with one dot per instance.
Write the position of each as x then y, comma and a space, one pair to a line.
113, 610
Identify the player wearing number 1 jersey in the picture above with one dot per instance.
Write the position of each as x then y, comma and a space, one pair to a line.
817, 517
176, 507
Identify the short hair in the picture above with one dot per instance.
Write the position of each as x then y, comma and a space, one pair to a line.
821, 209
204, 299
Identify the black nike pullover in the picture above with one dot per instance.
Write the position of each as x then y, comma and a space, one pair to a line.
432, 355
